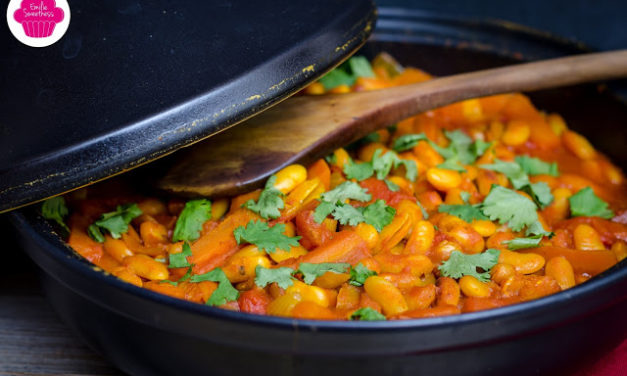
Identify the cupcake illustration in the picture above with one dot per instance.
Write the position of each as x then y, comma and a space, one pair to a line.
38, 17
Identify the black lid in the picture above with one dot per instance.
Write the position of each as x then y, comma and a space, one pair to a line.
132, 81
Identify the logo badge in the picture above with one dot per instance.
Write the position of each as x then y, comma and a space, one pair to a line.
38, 23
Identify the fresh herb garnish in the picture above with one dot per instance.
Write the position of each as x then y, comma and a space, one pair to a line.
587, 204
522, 243
460, 264
536, 166
265, 237
460, 151
280, 276
347, 73
54, 209
312, 271
466, 211
179, 260
540, 191
225, 291
507, 206
358, 171
346, 191
359, 274
377, 214
367, 314
391, 185
116, 222
190, 221
382, 164
269, 202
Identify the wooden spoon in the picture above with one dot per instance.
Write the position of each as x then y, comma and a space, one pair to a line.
302, 129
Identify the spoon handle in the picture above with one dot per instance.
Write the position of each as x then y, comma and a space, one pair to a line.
412, 99
302, 129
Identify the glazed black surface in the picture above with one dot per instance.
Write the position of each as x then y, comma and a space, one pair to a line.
131, 81
146, 333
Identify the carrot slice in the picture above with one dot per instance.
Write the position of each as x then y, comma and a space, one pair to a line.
213, 248
346, 246
320, 169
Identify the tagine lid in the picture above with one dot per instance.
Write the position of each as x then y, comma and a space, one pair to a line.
129, 82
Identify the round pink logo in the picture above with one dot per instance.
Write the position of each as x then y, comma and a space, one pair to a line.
38, 23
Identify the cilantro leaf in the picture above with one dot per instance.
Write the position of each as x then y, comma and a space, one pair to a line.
540, 191
323, 210
536, 229
347, 73
586, 203
391, 185
335, 78
359, 274
452, 164
461, 148
408, 141
460, 264
179, 260
265, 237
479, 147
184, 278
370, 137
383, 164
225, 291
346, 191
360, 66
367, 314
347, 214
411, 169
466, 212
511, 170
115, 222
94, 232
54, 209
280, 276
458, 138
522, 243
507, 206
378, 214
358, 171
536, 166
269, 202
312, 271
191, 219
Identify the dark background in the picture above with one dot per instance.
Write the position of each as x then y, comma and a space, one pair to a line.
33, 341
601, 24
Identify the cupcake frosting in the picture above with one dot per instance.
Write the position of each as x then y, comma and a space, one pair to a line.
38, 10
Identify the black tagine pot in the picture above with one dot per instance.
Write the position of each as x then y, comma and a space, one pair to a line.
145, 333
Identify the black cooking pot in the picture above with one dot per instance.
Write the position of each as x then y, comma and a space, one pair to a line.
144, 333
